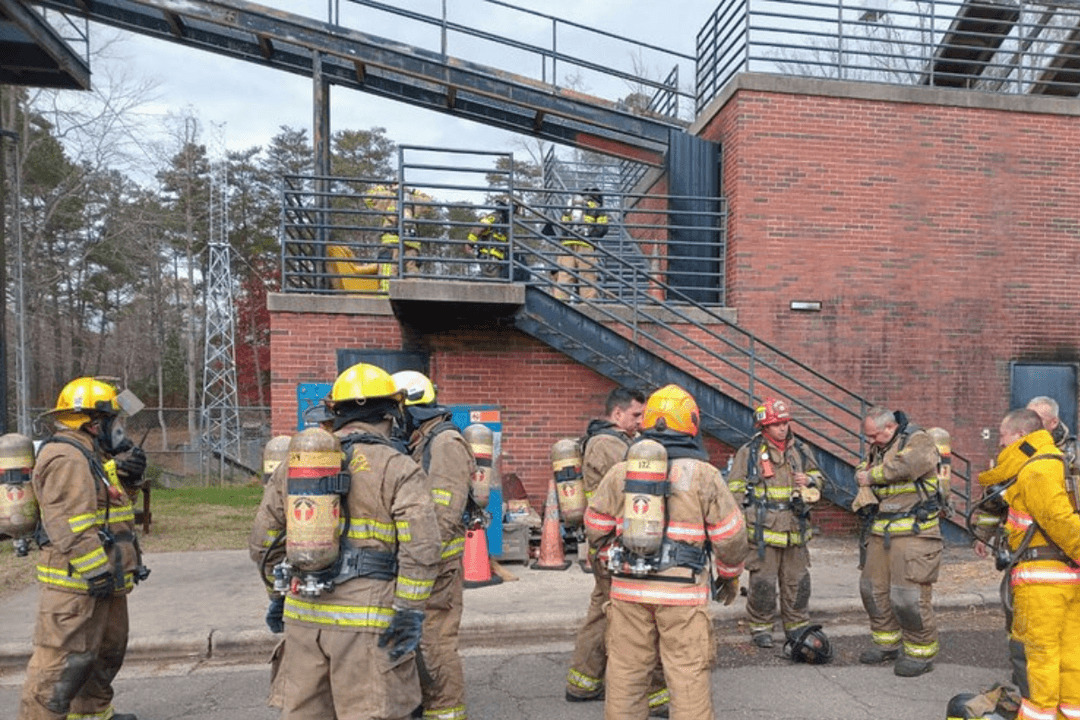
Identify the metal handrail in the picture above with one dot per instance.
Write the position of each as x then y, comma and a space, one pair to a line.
996, 46
549, 55
638, 300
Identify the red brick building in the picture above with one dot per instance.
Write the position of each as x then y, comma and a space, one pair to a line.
936, 228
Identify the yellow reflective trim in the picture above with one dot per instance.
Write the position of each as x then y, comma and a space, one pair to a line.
441, 497
367, 529
921, 651
737, 486
409, 589
78, 523
118, 513
452, 548
583, 681
457, 712
337, 615
404, 532
93, 559
905, 488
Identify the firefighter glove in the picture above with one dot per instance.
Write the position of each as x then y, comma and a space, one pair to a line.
403, 635
132, 468
275, 614
725, 590
100, 585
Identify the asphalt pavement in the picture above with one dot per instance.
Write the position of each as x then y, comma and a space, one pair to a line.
210, 605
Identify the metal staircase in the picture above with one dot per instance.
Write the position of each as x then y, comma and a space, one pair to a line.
649, 334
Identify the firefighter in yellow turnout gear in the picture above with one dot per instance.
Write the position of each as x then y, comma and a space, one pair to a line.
587, 220
84, 477
446, 457
1043, 535
662, 506
776, 479
352, 629
903, 554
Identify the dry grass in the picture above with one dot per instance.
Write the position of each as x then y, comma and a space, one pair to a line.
183, 519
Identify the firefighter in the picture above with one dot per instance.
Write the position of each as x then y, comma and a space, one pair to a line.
352, 629
448, 460
1043, 535
605, 443
1047, 410
772, 477
662, 508
903, 553
383, 201
85, 476
586, 220
488, 241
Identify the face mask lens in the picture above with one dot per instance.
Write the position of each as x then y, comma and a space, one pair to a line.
114, 432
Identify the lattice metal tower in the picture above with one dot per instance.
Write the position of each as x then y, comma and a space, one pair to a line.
220, 406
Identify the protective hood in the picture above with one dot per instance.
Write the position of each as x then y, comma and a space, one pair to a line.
1013, 457
677, 444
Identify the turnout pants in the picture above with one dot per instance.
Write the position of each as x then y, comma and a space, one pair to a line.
1045, 643
680, 637
79, 646
585, 284
333, 674
790, 568
585, 679
443, 685
897, 591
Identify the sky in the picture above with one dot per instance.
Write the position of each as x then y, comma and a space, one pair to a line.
243, 104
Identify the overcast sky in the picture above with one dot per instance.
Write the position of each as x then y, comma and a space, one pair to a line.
249, 103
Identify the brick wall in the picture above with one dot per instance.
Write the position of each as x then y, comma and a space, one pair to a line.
942, 242
544, 396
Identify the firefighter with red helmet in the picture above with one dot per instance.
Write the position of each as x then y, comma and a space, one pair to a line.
903, 551
666, 509
604, 444
1042, 532
85, 476
349, 530
776, 479
439, 447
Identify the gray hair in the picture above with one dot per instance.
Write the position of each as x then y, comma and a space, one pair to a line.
1045, 402
1024, 421
880, 416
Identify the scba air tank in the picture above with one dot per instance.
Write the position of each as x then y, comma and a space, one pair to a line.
315, 489
566, 464
18, 506
644, 494
482, 440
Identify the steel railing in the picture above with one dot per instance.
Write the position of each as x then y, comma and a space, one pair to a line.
627, 286
996, 46
538, 47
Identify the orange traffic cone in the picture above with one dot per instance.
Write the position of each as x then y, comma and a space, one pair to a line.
551, 545
477, 564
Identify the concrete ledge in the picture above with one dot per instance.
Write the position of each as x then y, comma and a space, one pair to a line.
882, 92
420, 290
328, 304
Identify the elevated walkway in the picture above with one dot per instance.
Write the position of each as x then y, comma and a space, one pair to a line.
35, 53
433, 80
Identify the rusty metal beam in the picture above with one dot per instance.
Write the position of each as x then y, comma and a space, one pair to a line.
393, 70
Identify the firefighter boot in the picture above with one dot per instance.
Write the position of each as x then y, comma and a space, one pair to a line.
877, 656
908, 666
762, 639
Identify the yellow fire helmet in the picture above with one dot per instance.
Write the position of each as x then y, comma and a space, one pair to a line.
84, 395
675, 407
363, 382
416, 386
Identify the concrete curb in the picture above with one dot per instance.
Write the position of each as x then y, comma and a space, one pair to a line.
543, 628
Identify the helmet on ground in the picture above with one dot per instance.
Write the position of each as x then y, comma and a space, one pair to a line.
770, 412
809, 645
672, 408
363, 382
416, 386
82, 396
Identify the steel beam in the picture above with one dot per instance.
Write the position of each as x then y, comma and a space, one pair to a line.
364, 62
32, 53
